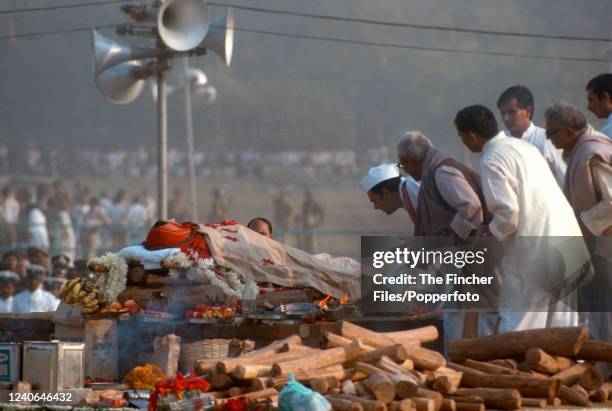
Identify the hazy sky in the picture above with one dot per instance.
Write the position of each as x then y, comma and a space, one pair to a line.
283, 92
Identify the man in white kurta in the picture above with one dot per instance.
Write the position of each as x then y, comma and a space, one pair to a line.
516, 106
599, 97
34, 299
525, 201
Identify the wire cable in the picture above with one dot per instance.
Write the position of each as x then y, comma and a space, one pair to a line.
64, 6
345, 41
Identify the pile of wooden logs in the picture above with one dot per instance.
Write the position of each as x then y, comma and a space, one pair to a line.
358, 369
545, 366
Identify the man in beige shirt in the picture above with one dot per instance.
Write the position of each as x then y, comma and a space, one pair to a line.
588, 187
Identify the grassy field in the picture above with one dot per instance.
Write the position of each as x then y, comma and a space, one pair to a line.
349, 214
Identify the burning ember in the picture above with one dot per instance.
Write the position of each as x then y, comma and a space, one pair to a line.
329, 300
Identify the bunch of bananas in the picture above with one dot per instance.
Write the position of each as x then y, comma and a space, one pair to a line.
85, 292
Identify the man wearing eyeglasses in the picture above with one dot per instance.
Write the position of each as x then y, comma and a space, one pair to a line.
588, 188
451, 199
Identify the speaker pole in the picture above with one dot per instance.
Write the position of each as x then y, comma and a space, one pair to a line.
190, 145
162, 124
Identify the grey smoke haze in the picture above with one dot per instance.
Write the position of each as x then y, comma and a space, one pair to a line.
295, 93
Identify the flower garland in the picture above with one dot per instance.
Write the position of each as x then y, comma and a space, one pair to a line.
222, 277
111, 284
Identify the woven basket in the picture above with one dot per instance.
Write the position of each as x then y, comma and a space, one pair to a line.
211, 349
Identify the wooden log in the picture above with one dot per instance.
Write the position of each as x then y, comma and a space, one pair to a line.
220, 381
527, 386
371, 338
303, 376
236, 391
489, 368
435, 396
541, 361
248, 372
448, 383
593, 350
534, 402
335, 340
604, 391
368, 405
508, 363
573, 396
255, 395
584, 393
470, 399
468, 406
403, 405
362, 391
262, 383
407, 365
320, 359
425, 404
564, 341
448, 405
570, 375
380, 386
554, 401
396, 352
500, 398
320, 385
423, 358
228, 365
422, 377
422, 335
405, 385
341, 404
388, 365
348, 388
367, 368
263, 355
591, 379
598, 395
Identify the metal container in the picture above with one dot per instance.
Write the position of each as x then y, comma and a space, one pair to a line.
299, 310
10, 362
54, 365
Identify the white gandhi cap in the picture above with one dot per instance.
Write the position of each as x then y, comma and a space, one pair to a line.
378, 175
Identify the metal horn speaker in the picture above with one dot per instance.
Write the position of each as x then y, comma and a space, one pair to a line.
109, 53
182, 24
220, 36
123, 83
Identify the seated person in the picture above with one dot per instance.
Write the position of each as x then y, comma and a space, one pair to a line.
262, 226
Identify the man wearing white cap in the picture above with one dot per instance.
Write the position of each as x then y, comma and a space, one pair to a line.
388, 192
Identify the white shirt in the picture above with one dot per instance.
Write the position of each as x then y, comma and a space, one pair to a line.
37, 226
137, 216
413, 187
554, 157
11, 210
607, 128
6, 305
33, 302
525, 201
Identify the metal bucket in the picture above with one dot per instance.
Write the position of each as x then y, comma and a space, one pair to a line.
54, 365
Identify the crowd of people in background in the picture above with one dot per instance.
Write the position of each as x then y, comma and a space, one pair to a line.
35, 160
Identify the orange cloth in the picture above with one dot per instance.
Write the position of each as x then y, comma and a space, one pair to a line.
170, 234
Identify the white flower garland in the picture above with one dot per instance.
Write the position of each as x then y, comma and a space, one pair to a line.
224, 278
111, 284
